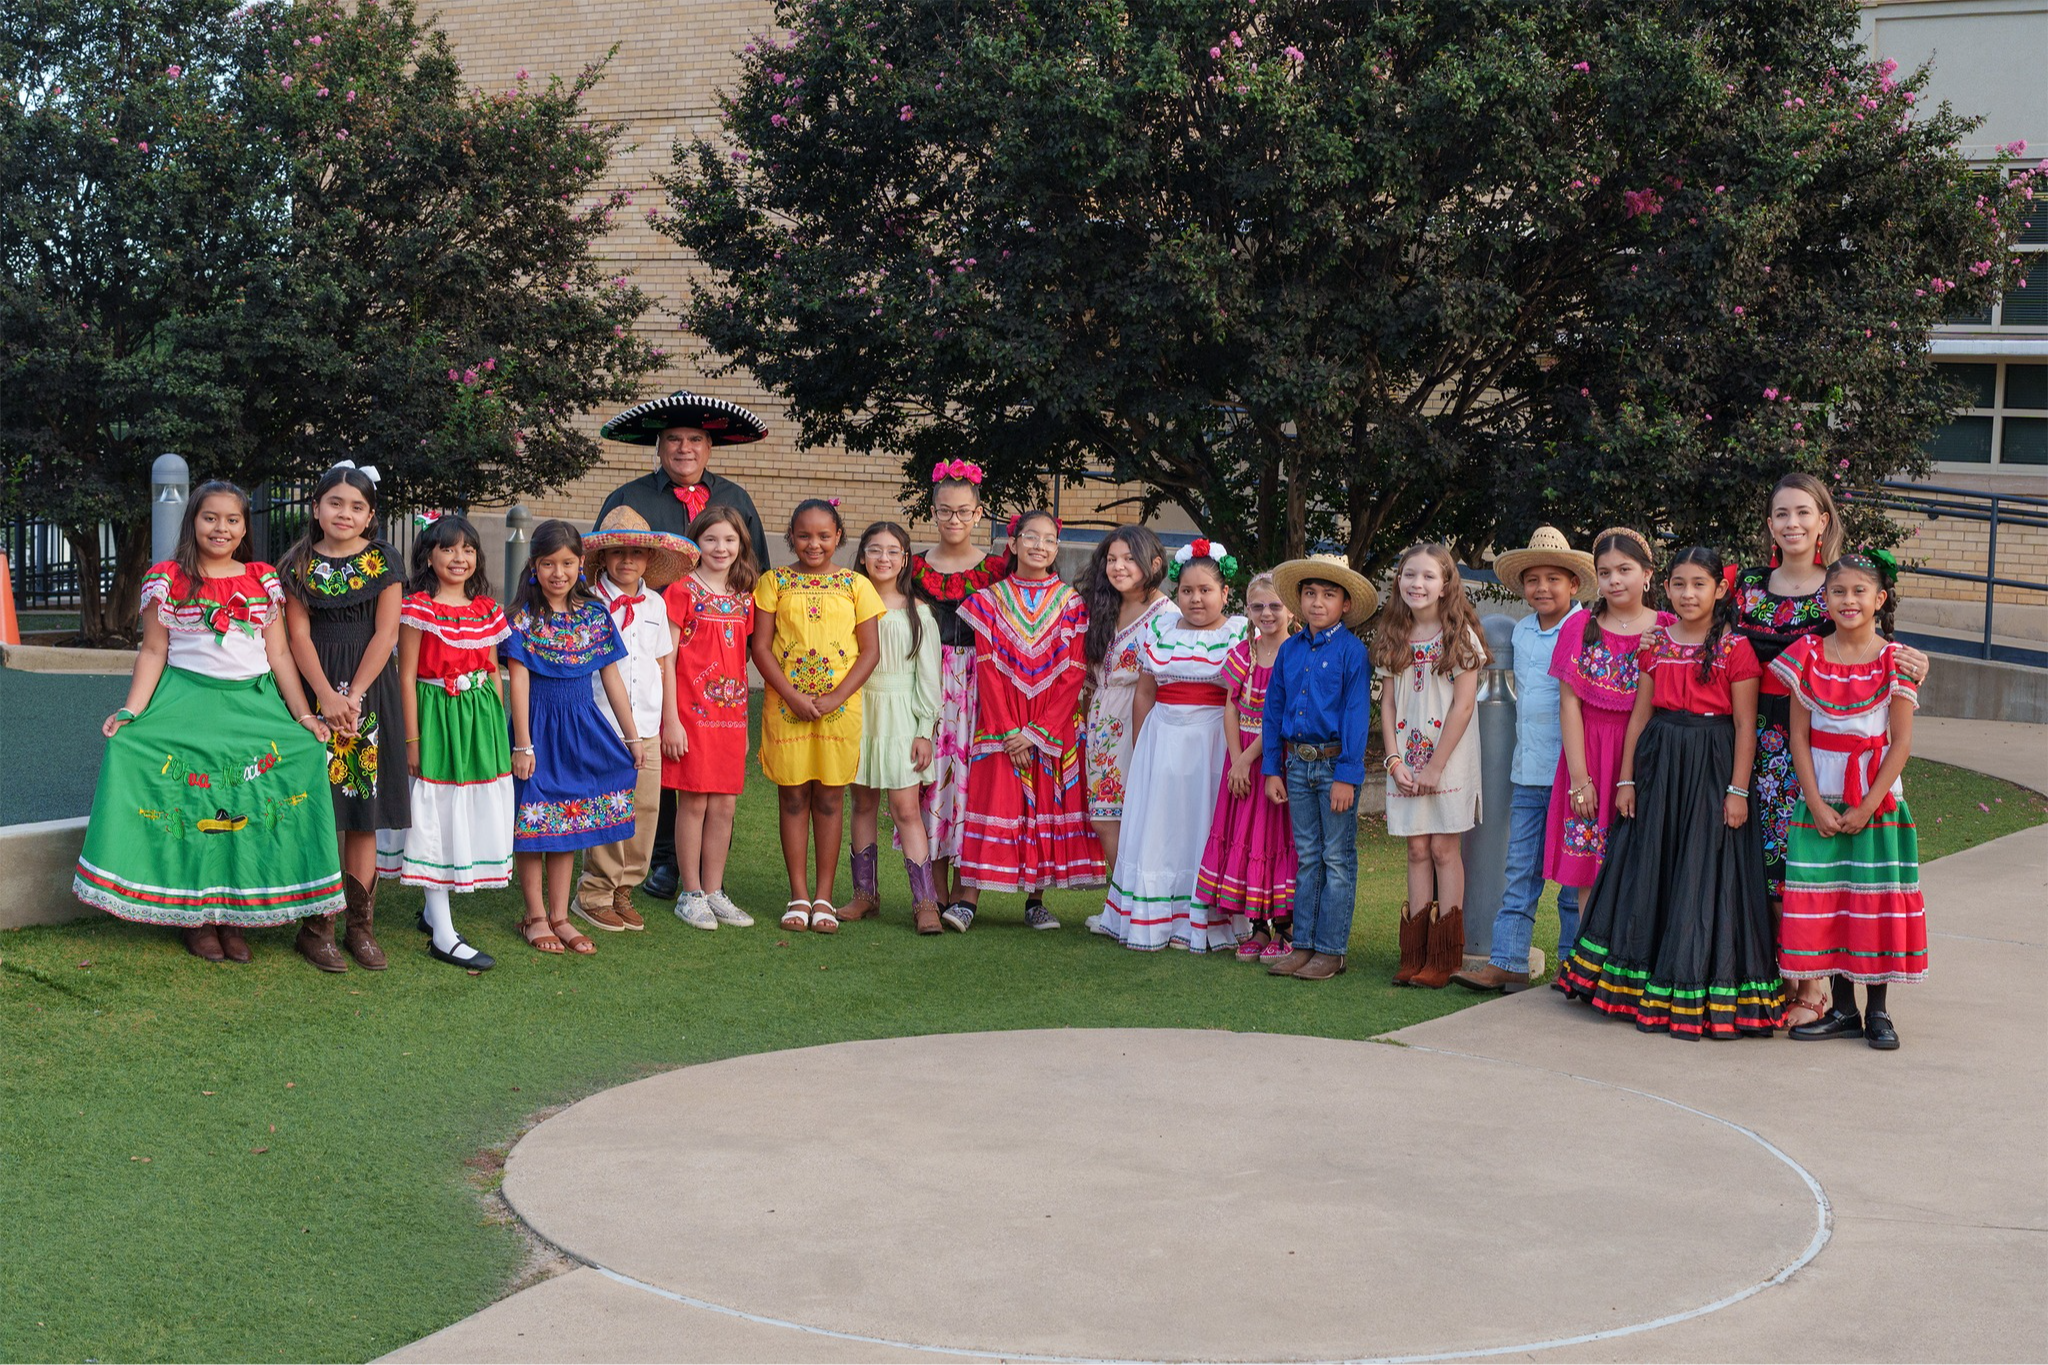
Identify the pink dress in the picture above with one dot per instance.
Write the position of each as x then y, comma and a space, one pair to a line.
1248, 864
1603, 678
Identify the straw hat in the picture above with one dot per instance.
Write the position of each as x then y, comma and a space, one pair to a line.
668, 557
1288, 578
725, 423
1547, 547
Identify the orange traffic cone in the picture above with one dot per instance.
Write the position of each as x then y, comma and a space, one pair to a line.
10, 629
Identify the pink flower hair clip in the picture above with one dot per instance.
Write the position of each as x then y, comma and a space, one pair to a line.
957, 469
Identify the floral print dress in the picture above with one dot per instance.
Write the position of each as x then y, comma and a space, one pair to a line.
367, 768
1771, 623
1109, 714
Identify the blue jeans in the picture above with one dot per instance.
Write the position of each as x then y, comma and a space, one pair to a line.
1326, 846
1515, 923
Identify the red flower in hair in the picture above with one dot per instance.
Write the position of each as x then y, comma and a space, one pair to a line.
1200, 547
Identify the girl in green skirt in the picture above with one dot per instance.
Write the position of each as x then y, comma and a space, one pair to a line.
213, 811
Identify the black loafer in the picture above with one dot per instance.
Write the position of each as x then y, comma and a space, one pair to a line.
661, 884
1834, 1024
477, 962
1879, 1033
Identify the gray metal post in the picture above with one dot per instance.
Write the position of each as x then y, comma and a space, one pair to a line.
1990, 579
170, 479
517, 519
1486, 846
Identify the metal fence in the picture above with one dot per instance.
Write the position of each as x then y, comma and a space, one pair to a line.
1994, 510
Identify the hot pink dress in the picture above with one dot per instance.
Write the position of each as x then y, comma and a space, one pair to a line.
1248, 864
1603, 678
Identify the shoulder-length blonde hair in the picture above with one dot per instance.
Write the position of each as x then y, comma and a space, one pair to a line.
1464, 643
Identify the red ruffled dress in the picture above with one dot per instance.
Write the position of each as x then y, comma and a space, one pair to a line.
711, 686
1249, 864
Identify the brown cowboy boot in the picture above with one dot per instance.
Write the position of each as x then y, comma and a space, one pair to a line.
1446, 949
867, 881
232, 945
316, 943
1414, 941
362, 905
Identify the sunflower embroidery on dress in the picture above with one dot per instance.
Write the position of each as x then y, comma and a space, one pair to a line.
332, 578
352, 760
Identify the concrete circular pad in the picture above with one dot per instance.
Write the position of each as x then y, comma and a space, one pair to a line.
1164, 1194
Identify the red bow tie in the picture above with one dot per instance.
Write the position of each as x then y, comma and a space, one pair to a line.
693, 497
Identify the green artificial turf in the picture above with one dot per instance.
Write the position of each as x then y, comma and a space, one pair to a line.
213, 1162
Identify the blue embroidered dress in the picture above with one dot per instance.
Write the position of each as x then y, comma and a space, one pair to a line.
581, 791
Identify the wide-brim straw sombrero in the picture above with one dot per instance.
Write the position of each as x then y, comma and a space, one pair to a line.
669, 557
1547, 546
727, 424
1288, 578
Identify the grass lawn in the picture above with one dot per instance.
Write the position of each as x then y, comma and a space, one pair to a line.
212, 1162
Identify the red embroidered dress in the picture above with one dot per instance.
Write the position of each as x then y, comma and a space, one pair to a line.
1852, 901
1028, 831
945, 794
461, 834
213, 805
711, 686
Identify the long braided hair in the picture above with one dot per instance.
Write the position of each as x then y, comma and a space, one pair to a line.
1723, 618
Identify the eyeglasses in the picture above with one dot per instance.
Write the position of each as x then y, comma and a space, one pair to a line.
955, 513
1037, 542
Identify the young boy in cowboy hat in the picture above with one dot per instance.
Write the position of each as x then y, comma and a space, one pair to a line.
1552, 578
628, 564
1318, 718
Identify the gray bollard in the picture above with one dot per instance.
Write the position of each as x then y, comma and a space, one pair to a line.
517, 519
1486, 846
170, 480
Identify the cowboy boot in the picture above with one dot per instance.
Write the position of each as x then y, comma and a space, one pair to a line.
316, 943
1414, 939
1446, 949
867, 878
232, 945
362, 905
924, 896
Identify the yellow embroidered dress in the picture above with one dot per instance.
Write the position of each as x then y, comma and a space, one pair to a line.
815, 616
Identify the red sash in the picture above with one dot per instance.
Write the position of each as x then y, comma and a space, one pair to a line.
1865, 755
1191, 694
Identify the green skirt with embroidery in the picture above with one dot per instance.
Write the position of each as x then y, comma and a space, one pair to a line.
213, 807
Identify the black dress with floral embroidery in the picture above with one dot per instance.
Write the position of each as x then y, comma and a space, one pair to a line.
366, 769
1772, 622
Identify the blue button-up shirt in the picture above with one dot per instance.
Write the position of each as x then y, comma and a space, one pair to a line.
1539, 737
1320, 693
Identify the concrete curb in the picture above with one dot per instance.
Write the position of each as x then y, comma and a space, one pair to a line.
63, 659
36, 866
1984, 689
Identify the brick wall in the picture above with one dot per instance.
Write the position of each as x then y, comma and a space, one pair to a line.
1951, 543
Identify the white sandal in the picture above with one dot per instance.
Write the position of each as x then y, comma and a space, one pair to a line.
825, 921
796, 916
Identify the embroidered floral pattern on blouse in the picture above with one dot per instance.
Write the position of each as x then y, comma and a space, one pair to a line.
1417, 749
338, 577
1606, 670
538, 819
1422, 656
1765, 616
1584, 838
571, 640
727, 692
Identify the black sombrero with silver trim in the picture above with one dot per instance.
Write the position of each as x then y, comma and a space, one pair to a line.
727, 424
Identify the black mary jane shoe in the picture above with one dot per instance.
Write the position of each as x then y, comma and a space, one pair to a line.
478, 961
1879, 1033
1833, 1024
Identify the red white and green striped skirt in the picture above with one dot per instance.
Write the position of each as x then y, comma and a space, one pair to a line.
1852, 901
213, 807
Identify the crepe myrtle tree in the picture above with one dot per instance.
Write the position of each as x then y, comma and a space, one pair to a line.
1313, 269
272, 236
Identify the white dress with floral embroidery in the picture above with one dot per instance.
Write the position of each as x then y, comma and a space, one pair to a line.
1421, 699
1109, 714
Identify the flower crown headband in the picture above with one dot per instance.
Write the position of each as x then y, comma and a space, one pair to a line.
1203, 548
964, 470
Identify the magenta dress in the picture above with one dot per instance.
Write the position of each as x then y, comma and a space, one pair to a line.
1603, 678
1248, 864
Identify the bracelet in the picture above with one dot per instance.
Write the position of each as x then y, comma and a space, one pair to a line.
522, 748
1625, 782
305, 718
1742, 792
1392, 759
412, 739
124, 714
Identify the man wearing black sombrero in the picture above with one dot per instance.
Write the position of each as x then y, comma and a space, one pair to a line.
682, 428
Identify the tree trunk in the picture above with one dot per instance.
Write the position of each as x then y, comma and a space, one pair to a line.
108, 619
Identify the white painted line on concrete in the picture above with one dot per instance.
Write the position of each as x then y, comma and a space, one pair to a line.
1823, 1230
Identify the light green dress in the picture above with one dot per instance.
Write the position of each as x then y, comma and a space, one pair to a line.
900, 701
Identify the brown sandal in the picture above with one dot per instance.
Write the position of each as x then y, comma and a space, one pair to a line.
573, 941
1818, 1009
544, 941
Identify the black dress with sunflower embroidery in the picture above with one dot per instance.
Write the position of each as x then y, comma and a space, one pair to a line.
367, 769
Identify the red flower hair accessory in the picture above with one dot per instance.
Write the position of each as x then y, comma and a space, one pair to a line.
965, 470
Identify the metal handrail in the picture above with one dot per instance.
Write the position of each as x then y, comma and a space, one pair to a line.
1935, 501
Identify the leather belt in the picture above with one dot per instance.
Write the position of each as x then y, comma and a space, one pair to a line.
1314, 753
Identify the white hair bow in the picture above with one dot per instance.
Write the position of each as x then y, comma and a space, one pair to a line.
368, 471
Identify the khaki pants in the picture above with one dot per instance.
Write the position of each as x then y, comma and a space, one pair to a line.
623, 864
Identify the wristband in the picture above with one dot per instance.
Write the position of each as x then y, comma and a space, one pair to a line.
1742, 792
1392, 759
1625, 782
124, 714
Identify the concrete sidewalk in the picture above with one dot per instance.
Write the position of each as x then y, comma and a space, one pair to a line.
1519, 1178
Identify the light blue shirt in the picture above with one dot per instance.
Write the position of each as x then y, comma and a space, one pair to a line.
1539, 735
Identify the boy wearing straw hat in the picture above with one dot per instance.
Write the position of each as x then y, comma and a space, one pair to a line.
1318, 718
628, 564
1553, 578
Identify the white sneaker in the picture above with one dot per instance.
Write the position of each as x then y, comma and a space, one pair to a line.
694, 910
727, 912
1095, 926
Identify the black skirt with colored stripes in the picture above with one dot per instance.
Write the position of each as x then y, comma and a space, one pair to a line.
1677, 932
